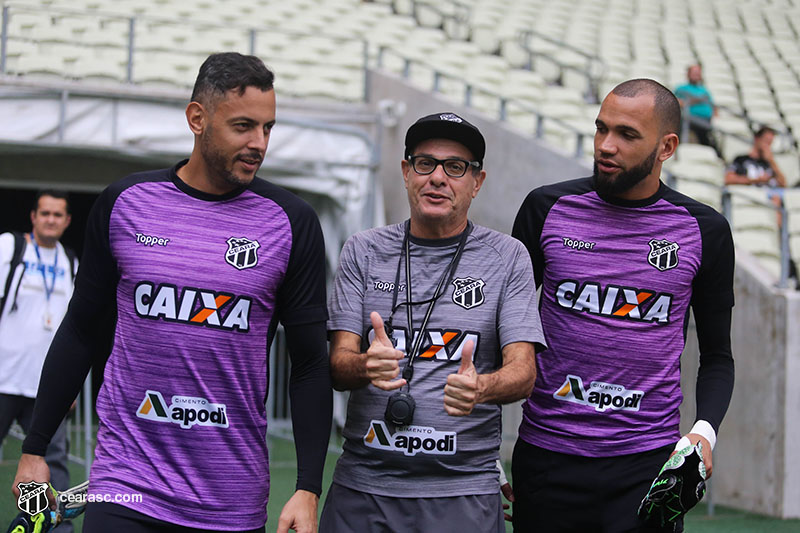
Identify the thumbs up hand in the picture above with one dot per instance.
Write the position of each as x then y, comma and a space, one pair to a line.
382, 363
461, 391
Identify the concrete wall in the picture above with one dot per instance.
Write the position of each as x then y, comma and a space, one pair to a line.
514, 163
757, 459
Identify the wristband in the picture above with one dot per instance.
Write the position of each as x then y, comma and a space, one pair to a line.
703, 428
503, 478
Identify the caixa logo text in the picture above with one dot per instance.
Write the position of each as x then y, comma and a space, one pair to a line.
615, 301
199, 307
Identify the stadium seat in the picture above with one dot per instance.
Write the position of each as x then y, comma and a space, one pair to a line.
790, 165
712, 174
160, 69
489, 70
28, 24
791, 201
758, 241
521, 82
697, 153
701, 191
17, 48
733, 147
732, 124
38, 65
108, 33
751, 209
101, 67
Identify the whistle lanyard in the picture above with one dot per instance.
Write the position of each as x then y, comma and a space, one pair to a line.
47, 290
447, 275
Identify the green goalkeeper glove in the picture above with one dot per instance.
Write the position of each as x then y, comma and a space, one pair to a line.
38, 523
678, 487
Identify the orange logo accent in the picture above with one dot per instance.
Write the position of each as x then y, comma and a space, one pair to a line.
146, 407
447, 337
205, 313
627, 308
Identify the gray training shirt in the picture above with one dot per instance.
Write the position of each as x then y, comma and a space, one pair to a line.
490, 300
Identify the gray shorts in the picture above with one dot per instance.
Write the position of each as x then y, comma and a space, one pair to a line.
348, 510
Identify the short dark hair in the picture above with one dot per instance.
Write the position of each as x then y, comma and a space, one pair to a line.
764, 129
667, 107
225, 71
55, 193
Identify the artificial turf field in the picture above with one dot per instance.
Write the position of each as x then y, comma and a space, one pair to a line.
282, 472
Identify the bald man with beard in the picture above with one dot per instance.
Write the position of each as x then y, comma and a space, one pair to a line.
620, 258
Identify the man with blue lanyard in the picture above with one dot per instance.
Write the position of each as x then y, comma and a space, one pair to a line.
36, 273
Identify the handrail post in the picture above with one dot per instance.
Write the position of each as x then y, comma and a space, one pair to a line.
131, 32
685, 127
365, 57
785, 258
62, 115
726, 205
4, 40
252, 43
379, 59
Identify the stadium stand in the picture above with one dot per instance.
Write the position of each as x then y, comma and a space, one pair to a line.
583, 45
754, 221
699, 173
540, 66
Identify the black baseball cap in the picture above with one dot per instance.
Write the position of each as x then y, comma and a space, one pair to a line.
446, 126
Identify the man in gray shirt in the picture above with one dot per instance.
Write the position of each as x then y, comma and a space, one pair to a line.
433, 324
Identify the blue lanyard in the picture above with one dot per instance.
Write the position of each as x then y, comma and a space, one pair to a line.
47, 290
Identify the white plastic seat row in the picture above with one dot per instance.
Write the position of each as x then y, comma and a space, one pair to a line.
759, 242
701, 191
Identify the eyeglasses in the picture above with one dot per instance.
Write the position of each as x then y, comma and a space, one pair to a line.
455, 168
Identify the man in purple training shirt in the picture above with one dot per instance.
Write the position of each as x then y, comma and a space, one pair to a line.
199, 262
620, 259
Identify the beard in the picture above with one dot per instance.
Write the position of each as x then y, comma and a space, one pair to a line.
220, 166
606, 185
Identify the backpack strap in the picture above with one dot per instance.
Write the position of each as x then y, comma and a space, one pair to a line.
16, 259
72, 257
